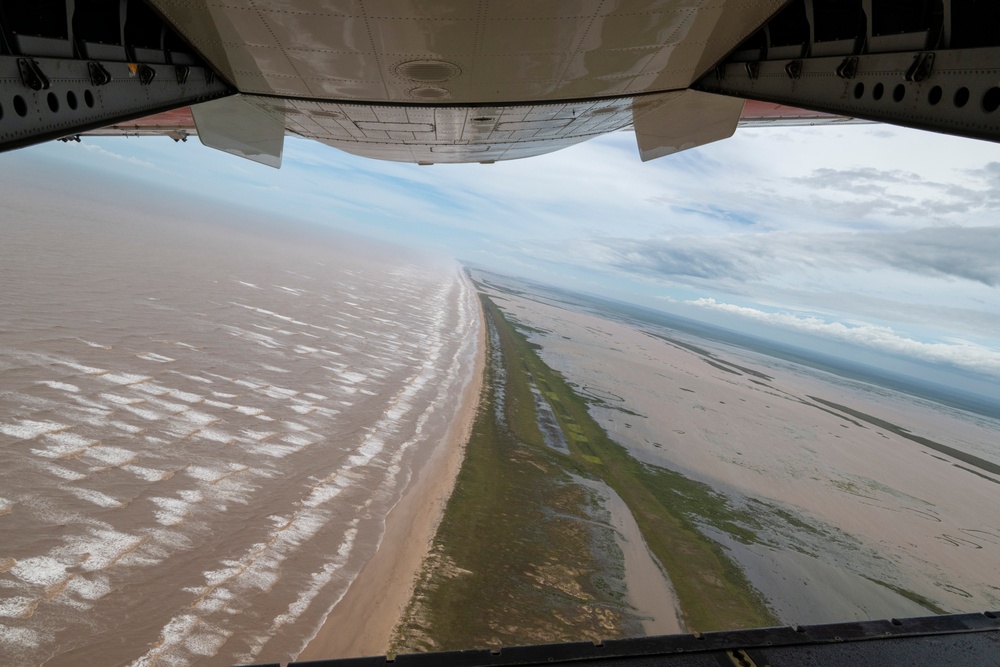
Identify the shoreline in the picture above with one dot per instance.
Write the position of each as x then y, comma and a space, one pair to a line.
362, 622
566, 572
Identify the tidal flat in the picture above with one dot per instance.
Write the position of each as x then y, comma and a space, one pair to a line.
838, 499
762, 492
526, 550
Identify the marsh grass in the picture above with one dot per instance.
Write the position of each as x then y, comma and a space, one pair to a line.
518, 557
714, 593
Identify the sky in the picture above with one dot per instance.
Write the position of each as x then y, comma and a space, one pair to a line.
872, 242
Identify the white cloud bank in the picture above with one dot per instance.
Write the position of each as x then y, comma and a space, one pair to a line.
965, 253
961, 354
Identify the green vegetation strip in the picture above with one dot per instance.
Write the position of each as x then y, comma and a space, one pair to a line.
964, 457
668, 507
518, 558
709, 356
721, 367
924, 602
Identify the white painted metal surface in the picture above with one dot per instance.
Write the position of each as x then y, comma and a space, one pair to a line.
495, 50
234, 126
464, 80
689, 119
453, 133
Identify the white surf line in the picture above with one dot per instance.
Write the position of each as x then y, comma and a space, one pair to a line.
444, 389
264, 559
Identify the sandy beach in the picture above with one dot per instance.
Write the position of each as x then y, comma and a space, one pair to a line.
362, 622
864, 523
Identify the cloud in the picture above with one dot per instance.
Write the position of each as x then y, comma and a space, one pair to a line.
858, 179
873, 223
895, 192
939, 252
960, 354
936, 315
959, 252
687, 257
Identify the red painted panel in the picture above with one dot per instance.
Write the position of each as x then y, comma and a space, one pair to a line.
753, 110
175, 118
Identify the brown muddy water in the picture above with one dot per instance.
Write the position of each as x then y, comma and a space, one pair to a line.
203, 427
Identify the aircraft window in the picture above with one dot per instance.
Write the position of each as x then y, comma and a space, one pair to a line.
961, 97
935, 95
899, 92
53, 102
20, 106
859, 90
71, 100
991, 100
878, 91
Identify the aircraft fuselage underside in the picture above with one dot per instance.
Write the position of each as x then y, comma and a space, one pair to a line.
479, 81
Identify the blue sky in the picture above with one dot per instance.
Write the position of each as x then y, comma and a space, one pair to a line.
868, 241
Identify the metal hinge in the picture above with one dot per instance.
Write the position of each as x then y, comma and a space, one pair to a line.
921, 68
32, 75
848, 69
99, 75
740, 658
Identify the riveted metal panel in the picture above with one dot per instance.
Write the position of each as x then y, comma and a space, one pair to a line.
951, 91
61, 97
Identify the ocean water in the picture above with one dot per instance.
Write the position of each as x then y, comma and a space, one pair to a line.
203, 426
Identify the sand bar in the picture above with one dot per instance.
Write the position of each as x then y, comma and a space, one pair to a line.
649, 590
